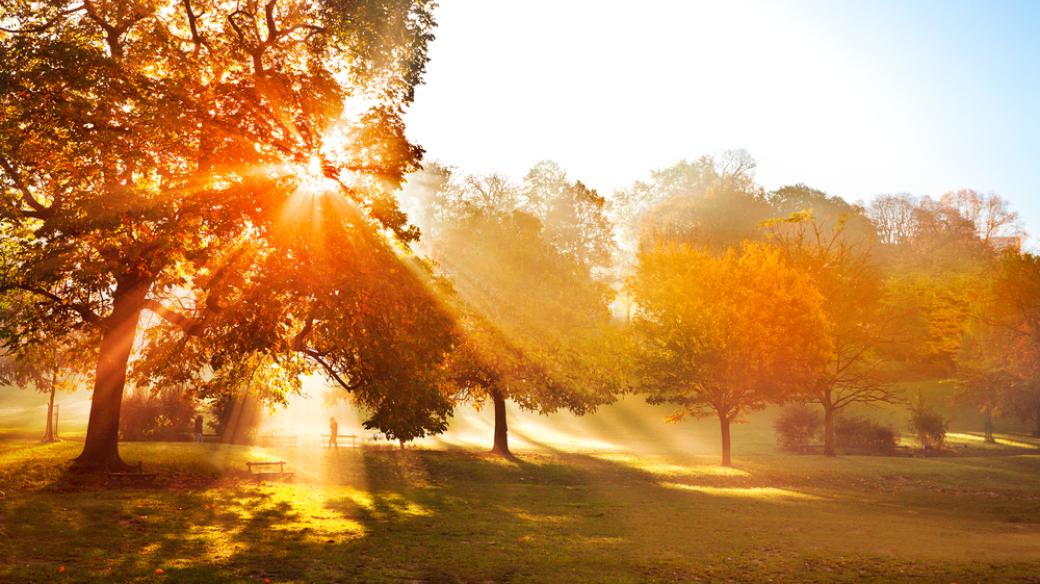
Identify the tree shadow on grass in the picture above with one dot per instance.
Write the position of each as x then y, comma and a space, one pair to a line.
428, 516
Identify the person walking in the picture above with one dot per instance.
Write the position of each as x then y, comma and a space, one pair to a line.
333, 430
198, 429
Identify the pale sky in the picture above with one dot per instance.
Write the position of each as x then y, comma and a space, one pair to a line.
854, 98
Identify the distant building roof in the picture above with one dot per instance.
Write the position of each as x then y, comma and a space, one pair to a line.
1002, 243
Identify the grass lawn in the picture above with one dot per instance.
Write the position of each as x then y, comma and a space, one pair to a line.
375, 515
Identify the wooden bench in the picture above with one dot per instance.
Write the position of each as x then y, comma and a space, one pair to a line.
135, 476
353, 439
258, 470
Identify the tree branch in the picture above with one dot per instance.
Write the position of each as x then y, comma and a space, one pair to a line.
317, 357
39, 209
192, 25
272, 29
299, 343
88, 315
44, 26
187, 324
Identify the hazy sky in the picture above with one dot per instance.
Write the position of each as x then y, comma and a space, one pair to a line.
855, 98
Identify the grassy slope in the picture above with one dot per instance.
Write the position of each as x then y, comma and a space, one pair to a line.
389, 516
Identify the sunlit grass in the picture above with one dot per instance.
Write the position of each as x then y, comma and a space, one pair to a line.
384, 515
658, 466
765, 493
978, 439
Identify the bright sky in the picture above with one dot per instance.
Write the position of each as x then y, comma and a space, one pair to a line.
855, 98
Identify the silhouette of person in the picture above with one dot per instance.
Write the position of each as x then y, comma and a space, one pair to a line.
333, 429
198, 429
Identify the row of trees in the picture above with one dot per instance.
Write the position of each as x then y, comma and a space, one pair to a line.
207, 191
722, 319
733, 297
827, 302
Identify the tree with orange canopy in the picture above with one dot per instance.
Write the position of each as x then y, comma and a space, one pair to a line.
151, 151
724, 334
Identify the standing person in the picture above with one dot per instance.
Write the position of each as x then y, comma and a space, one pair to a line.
198, 429
333, 429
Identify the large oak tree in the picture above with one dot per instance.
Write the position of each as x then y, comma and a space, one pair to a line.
149, 149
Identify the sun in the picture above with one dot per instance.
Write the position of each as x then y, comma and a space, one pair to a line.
313, 178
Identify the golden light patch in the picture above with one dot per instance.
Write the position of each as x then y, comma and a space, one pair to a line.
763, 493
999, 440
656, 466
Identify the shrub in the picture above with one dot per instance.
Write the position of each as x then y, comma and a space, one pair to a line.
929, 426
796, 427
863, 434
167, 415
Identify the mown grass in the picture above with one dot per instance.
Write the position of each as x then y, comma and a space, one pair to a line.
374, 515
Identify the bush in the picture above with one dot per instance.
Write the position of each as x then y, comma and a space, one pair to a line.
929, 426
167, 415
863, 434
796, 427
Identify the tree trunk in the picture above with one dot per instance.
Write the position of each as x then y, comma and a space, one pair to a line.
726, 459
988, 426
828, 430
101, 449
48, 434
1036, 421
501, 446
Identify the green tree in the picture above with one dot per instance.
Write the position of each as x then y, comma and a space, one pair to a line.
145, 144
829, 213
727, 334
536, 325
712, 201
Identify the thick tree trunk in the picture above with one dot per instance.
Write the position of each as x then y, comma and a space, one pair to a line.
726, 458
101, 449
1036, 428
501, 446
828, 430
988, 426
48, 434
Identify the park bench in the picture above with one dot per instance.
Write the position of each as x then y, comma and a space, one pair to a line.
261, 470
134, 476
353, 439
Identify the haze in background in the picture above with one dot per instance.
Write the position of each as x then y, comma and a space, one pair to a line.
855, 98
